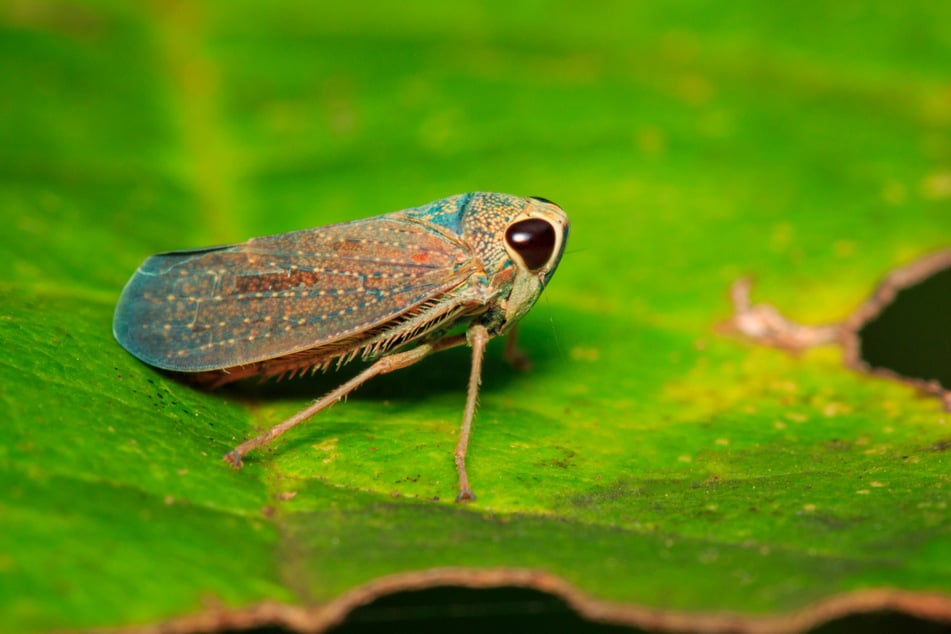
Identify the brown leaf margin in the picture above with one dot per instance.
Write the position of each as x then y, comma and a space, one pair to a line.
764, 324
319, 618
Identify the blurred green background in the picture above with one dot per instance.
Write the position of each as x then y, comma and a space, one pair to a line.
646, 459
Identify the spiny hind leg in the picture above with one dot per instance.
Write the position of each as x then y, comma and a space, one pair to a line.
384, 365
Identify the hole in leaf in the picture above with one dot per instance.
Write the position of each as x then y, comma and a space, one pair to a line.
463, 610
885, 622
455, 609
911, 336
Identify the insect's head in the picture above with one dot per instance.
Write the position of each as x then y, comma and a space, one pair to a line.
520, 241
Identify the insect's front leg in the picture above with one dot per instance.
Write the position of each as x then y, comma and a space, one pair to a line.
515, 356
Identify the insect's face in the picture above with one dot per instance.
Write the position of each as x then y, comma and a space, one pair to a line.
534, 240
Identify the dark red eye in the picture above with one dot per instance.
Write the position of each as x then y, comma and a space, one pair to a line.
534, 240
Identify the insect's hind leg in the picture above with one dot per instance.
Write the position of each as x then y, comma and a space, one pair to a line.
385, 365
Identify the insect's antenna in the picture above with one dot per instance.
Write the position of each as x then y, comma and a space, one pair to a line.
554, 331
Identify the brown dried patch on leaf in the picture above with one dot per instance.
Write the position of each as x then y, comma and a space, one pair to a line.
319, 618
764, 324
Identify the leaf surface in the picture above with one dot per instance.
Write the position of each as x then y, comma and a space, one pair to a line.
646, 460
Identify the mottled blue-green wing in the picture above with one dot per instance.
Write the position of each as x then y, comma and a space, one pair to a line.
220, 307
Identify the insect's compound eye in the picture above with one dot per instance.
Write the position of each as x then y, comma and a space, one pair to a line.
533, 240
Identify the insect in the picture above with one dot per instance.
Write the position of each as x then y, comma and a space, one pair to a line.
391, 290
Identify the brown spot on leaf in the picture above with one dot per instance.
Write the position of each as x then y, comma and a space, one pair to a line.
941, 446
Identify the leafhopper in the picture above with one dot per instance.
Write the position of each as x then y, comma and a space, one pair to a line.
390, 290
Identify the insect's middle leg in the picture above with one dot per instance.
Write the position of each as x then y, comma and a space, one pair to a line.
478, 337
385, 365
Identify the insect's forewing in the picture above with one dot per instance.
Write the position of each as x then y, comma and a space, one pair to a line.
220, 307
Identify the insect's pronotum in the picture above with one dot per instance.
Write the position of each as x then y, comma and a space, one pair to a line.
390, 289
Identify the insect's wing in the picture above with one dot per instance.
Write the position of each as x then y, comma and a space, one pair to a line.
220, 307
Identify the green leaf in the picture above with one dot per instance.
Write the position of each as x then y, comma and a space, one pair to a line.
647, 463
